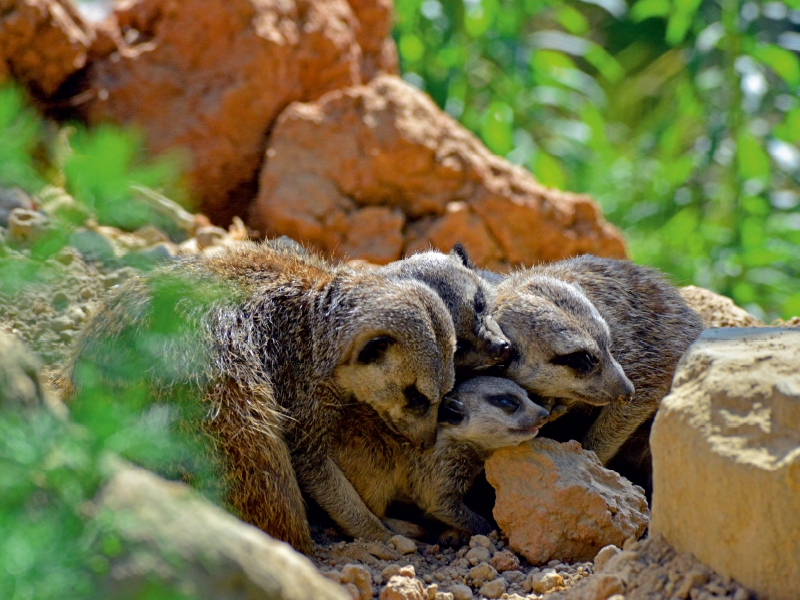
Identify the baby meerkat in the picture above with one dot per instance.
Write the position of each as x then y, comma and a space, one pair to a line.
478, 416
601, 336
280, 353
480, 342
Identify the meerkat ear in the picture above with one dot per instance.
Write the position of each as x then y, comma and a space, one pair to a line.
461, 252
374, 349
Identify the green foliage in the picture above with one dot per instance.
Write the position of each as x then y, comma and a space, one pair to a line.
681, 117
19, 131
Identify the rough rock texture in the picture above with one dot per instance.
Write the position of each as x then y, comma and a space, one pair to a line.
374, 36
376, 171
556, 501
211, 76
43, 43
726, 457
649, 570
212, 554
717, 310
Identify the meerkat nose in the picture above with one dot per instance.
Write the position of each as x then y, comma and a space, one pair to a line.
626, 392
499, 350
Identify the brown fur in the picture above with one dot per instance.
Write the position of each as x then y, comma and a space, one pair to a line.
478, 416
281, 350
638, 318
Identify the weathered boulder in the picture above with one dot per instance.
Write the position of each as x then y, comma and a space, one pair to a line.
717, 310
211, 76
374, 36
556, 501
170, 533
726, 457
376, 171
43, 43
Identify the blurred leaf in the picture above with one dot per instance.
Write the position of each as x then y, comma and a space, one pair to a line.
572, 20
784, 62
646, 9
789, 130
497, 128
791, 306
753, 160
680, 20
548, 171
19, 128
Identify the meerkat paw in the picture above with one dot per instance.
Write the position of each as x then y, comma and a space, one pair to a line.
405, 528
454, 538
559, 410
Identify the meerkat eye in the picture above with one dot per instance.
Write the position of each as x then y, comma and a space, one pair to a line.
416, 401
581, 361
508, 404
452, 411
480, 303
374, 349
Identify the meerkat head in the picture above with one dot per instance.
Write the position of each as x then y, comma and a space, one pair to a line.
561, 342
490, 413
481, 342
397, 344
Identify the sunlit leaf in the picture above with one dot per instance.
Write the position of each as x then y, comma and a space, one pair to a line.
548, 171
752, 158
784, 62
646, 9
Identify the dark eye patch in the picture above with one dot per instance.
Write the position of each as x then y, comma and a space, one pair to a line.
480, 302
374, 349
507, 403
416, 401
581, 362
452, 411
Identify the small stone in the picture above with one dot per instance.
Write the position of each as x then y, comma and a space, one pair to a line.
543, 582
514, 576
380, 551
151, 235
11, 198
692, 580
494, 588
480, 540
60, 324
616, 597
443, 596
210, 236
604, 555
461, 592
26, 225
602, 587
407, 571
390, 572
119, 276
334, 576
427, 578
478, 554
504, 561
403, 544
403, 588
482, 573
360, 578
353, 591
60, 301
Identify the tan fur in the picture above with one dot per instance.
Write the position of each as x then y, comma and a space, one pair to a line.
621, 314
280, 349
489, 413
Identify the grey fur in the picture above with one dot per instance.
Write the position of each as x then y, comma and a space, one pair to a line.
481, 343
385, 468
276, 358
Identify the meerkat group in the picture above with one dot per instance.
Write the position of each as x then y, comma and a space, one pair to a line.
356, 388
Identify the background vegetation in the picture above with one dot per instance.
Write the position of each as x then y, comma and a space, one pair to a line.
681, 117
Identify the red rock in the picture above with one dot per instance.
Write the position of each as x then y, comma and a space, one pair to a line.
387, 144
556, 501
210, 77
43, 43
504, 561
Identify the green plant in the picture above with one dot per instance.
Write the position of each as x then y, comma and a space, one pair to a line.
680, 116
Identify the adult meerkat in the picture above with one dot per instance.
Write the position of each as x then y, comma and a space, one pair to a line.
480, 341
281, 350
590, 332
478, 416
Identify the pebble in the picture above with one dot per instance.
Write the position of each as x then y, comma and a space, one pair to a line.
11, 198
461, 592
402, 544
514, 576
477, 555
360, 578
210, 236
604, 555
27, 225
390, 572
541, 583
403, 588
504, 561
482, 541
495, 588
482, 573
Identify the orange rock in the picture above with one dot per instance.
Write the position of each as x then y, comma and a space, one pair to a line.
400, 587
211, 76
387, 144
374, 35
556, 501
43, 43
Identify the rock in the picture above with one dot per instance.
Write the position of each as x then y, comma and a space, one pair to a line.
402, 544
557, 502
211, 76
494, 589
481, 573
374, 36
169, 532
477, 555
543, 582
11, 198
360, 578
21, 386
504, 561
333, 163
726, 463
603, 587
461, 592
400, 587
481, 541
26, 226
605, 555
44, 42
717, 310
390, 571
210, 236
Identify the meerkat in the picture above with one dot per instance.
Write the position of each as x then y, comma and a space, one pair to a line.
480, 341
603, 337
280, 350
480, 415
